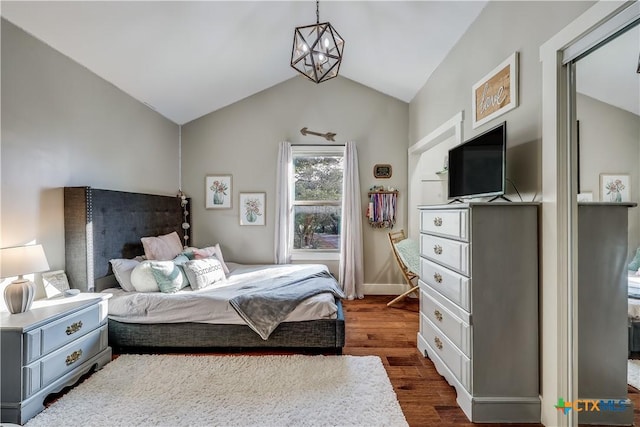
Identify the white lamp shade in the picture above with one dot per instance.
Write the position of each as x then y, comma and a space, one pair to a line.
20, 260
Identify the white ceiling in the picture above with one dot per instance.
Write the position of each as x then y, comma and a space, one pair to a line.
186, 59
609, 73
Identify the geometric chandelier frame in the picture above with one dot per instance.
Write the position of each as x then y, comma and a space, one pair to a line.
317, 50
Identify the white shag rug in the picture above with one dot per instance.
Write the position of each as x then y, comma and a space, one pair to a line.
177, 390
633, 373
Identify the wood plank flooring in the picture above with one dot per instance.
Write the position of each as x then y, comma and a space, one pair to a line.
390, 332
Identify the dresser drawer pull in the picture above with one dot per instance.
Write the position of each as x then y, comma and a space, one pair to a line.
74, 327
73, 357
437, 221
438, 343
437, 277
437, 249
438, 315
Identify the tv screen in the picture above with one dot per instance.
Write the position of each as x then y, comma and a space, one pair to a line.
477, 166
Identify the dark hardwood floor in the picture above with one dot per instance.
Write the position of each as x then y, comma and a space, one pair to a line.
390, 333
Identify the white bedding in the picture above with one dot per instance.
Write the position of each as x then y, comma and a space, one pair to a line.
634, 304
211, 304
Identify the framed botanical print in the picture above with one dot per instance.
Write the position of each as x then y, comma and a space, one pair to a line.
252, 208
615, 187
218, 192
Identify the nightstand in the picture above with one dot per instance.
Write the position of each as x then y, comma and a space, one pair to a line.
48, 348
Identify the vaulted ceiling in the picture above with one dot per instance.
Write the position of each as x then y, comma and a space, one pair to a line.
186, 59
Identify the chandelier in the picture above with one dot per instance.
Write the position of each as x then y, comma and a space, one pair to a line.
317, 50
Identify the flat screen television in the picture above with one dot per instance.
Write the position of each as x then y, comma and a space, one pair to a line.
476, 168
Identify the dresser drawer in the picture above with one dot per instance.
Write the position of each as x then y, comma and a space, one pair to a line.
60, 332
454, 328
452, 285
450, 253
449, 223
456, 361
73, 355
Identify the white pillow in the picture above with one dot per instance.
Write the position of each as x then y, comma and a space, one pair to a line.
122, 269
142, 278
209, 252
203, 272
162, 248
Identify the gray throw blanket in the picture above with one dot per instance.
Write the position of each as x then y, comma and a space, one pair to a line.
266, 304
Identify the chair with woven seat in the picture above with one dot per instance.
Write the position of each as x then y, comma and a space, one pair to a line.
407, 254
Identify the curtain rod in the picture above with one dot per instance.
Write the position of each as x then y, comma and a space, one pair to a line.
318, 145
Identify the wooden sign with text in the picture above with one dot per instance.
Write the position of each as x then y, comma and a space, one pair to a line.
496, 93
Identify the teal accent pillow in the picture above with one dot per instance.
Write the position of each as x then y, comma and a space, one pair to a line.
635, 264
169, 275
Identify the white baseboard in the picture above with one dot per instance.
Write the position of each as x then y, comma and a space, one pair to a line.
384, 288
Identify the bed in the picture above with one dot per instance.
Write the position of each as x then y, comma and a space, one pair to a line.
101, 225
633, 280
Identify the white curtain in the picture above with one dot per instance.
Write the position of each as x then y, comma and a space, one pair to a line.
351, 264
283, 209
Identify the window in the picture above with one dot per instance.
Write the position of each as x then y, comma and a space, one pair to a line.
317, 199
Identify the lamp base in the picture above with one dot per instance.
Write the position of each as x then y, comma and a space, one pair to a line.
19, 294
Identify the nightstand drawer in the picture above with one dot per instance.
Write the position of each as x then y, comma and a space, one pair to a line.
456, 361
450, 325
448, 223
73, 354
63, 331
452, 285
450, 253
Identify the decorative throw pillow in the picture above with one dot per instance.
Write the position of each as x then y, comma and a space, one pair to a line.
142, 278
203, 272
635, 263
162, 248
122, 269
169, 275
209, 252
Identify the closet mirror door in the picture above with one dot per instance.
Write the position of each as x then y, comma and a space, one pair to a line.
605, 111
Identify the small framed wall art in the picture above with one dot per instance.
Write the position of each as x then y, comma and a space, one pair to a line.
496, 93
252, 208
218, 192
382, 171
615, 187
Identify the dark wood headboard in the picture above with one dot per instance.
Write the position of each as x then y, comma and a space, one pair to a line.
100, 225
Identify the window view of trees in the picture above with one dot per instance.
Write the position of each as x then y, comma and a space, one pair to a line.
317, 201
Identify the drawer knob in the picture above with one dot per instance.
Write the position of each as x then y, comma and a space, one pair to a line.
438, 343
437, 277
438, 315
437, 249
437, 221
74, 327
73, 357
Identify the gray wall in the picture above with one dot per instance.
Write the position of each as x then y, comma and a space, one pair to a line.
242, 140
64, 126
610, 143
501, 29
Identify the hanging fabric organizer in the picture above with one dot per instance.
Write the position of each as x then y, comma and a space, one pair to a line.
382, 209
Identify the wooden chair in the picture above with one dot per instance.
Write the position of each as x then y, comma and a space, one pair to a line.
409, 276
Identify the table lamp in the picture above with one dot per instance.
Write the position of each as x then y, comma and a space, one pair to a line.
18, 261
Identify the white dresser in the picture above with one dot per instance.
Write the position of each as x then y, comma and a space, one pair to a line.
479, 305
49, 347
